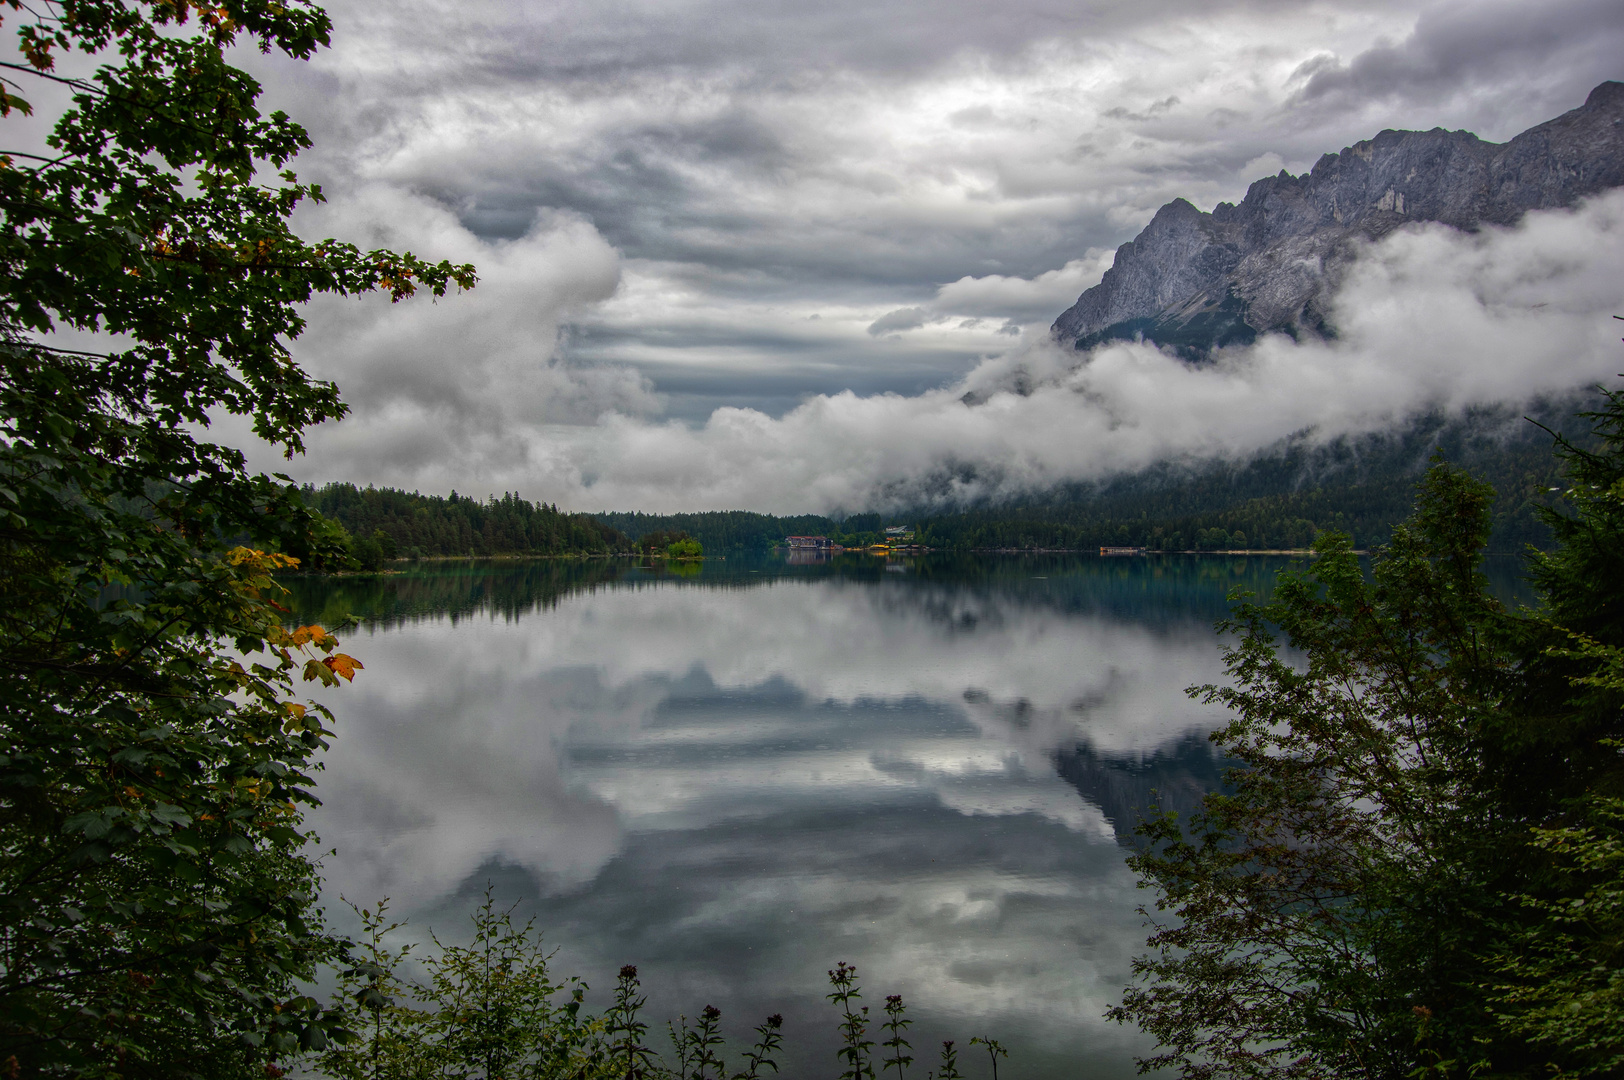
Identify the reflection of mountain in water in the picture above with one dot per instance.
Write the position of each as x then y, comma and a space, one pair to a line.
452, 588
1175, 777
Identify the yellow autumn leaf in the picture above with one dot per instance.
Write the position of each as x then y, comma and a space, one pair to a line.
343, 665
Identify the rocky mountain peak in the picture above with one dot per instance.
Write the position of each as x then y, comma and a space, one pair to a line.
1197, 281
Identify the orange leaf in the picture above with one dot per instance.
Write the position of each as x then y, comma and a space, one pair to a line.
309, 633
343, 665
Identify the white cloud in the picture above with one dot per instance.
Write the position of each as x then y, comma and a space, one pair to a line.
1039, 298
460, 382
1427, 318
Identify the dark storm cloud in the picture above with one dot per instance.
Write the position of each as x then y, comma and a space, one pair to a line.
1553, 51
777, 43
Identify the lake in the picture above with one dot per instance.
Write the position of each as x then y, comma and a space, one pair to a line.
735, 774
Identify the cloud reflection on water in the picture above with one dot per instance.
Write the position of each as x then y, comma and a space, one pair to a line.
735, 787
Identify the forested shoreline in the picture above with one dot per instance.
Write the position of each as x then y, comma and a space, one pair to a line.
380, 524
383, 524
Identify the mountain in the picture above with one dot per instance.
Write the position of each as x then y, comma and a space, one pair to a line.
1196, 281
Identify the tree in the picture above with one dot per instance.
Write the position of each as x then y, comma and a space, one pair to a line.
685, 549
1303, 940
1415, 871
495, 1013
1560, 966
661, 541
156, 910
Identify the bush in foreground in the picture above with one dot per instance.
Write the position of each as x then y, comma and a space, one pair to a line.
493, 1008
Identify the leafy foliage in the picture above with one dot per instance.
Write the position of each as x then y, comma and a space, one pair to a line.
995, 1050
156, 912
896, 1025
686, 548
660, 541
493, 1001
1561, 966
857, 1051
1415, 871
1564, 977
489, 1009
389, 1040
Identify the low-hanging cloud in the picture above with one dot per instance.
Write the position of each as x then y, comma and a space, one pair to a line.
1428, 319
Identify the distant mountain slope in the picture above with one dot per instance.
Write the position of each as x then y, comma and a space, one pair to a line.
1195, 281
1280, 498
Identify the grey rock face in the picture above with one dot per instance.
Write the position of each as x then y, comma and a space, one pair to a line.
1198, 281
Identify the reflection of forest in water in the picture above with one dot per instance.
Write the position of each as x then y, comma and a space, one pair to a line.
1158, 590
511, 588
452, 589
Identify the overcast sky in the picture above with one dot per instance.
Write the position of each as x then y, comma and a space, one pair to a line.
785, 227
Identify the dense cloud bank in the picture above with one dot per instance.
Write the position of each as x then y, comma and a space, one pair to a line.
1428, 319
799, 229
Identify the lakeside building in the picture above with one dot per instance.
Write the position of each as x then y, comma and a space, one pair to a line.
809, 543
1122, 551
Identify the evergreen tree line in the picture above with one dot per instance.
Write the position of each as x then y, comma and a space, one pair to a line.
1278, 500
723, 530
1415, 870
405, 524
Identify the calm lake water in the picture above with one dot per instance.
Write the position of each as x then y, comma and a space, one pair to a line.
738, 774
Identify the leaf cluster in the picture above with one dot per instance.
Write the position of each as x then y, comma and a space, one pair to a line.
157, 909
